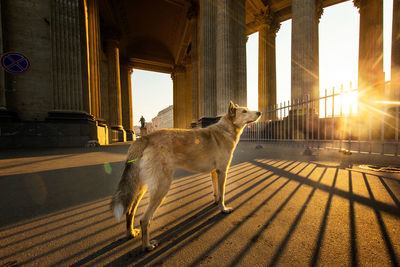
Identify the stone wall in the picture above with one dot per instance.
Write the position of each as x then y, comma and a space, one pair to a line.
28, 32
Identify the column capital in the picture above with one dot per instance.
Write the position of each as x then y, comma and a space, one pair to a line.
357, 3
178, 69
268, 18
319, 9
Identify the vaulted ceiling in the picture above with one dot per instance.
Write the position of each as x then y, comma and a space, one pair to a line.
154, 33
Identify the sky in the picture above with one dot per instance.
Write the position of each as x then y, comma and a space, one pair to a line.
338, 61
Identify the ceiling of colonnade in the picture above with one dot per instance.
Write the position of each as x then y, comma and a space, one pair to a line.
282, 8
154, 34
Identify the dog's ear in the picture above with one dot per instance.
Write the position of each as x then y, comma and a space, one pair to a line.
232, 109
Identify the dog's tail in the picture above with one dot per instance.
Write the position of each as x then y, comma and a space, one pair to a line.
129, 186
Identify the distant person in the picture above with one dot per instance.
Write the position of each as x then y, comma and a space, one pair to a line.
142, 122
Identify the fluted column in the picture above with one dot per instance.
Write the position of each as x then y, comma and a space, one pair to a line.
67, 56
207, 58
114, 84
192, 15
395, 69
305, 70
240, 39
179, 98
93, 36
126, 96
269, 26
3, 104
225, 52
231, 54
370, 59
188, 96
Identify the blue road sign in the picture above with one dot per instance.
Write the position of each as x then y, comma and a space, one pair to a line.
15, 62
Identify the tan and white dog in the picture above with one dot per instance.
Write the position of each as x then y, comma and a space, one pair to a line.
152, 160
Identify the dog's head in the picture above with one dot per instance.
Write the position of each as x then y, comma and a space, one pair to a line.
240, 116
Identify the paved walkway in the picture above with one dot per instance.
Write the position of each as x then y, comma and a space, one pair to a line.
290, 210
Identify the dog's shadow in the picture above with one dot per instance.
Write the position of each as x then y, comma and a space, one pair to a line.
168, 240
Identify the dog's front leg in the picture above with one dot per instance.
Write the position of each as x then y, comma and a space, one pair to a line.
214, 178
221, 191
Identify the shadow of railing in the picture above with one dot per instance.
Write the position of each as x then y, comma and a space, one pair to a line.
187, 215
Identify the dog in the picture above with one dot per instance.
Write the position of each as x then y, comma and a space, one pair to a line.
153, 158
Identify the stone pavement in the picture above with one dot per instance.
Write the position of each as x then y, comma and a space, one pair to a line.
290, 209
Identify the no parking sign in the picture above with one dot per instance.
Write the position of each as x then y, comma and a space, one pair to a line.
15, 62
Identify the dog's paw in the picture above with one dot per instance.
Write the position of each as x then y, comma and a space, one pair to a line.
153, 245
133, 233
226, 210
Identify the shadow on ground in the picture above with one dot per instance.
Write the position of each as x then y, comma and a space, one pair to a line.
298, 211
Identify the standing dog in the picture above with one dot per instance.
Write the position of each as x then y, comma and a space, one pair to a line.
152, 160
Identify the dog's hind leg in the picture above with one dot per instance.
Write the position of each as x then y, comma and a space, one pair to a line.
157, 196
130, 215
221, 191
214, 178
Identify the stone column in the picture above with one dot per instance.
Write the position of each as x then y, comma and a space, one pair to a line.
370, 60
66, 57
126, 99
231, 54
269, 26
114, 84
3, 104
395, 69
188, 96
207, 61
240, 39
225, 52
179, 98
192, 15
305, 70
93, 36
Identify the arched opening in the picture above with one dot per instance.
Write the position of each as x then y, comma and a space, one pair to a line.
152, 98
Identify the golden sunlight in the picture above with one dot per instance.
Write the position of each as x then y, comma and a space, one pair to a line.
338, 102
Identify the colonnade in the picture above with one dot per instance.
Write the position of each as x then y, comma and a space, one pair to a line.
304, 59
79, 82
217, 64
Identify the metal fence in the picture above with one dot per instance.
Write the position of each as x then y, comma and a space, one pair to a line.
343, 119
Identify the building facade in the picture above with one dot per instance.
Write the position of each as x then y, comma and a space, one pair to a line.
82, 52
164, 119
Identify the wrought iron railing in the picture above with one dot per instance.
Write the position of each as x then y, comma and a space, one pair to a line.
346, 120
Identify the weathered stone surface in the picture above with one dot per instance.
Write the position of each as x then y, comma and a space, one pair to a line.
28, 32
370, 60
207, 58
114, 84
269, 26
305, 70
395, 68
182, 112
231, 55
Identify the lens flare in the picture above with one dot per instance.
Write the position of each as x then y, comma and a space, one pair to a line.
107, 167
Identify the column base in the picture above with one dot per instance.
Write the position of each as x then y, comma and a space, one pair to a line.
207, 121
8, 116
102, 132
130, 135
60, 129
75, 128
117, 134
